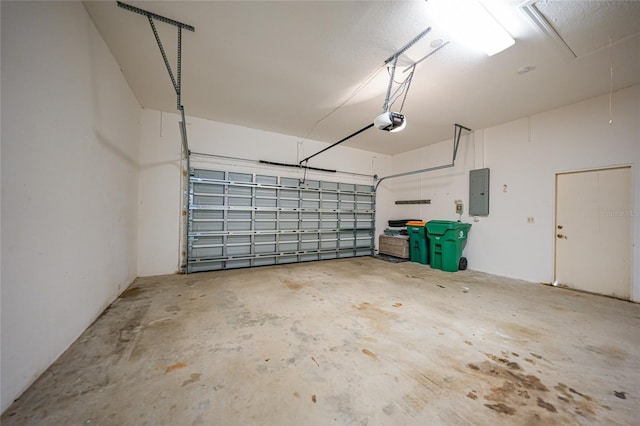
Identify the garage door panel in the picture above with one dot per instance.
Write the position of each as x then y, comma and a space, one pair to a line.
266, 225
328, 255
263, 248
239, 201
207, 214
239, 226
240, 177
239, 220
209, 226
208, 200
287, 247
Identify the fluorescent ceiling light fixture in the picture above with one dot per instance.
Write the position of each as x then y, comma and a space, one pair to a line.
469, 21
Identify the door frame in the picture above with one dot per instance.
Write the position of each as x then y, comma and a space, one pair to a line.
634, 213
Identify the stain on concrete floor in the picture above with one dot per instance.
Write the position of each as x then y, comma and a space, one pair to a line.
368, 342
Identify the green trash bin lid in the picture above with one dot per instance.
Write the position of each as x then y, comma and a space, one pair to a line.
440, 227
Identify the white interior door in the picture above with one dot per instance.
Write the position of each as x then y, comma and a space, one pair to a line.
593, 231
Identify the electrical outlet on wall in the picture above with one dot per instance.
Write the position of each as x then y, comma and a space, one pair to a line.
459, 206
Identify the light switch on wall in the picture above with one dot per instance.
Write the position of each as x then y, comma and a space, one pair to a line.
459, 206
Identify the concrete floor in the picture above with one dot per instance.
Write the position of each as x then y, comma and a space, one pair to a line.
349, 342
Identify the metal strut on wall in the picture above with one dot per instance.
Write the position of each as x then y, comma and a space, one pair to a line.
457, 132
176, 81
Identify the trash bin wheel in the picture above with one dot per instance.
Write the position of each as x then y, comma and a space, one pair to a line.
462, 265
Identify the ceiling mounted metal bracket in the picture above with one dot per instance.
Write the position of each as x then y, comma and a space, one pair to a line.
393, 59
389, 99
155, 16
407, 46
412, 66
457, 132
176, 81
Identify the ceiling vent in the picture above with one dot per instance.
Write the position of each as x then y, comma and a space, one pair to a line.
581, 28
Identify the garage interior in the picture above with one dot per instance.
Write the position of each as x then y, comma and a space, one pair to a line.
194, 196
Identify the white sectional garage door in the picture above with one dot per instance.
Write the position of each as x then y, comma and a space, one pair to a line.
241, 220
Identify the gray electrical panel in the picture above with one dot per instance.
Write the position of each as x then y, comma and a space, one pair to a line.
479, 192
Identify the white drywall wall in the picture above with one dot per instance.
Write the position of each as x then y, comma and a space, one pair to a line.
442, 187
160, 168
524, 157
70, 132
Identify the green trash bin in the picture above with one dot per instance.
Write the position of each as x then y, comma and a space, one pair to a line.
418, 247
447, 241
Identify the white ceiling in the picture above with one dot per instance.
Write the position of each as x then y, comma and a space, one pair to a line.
283, 66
